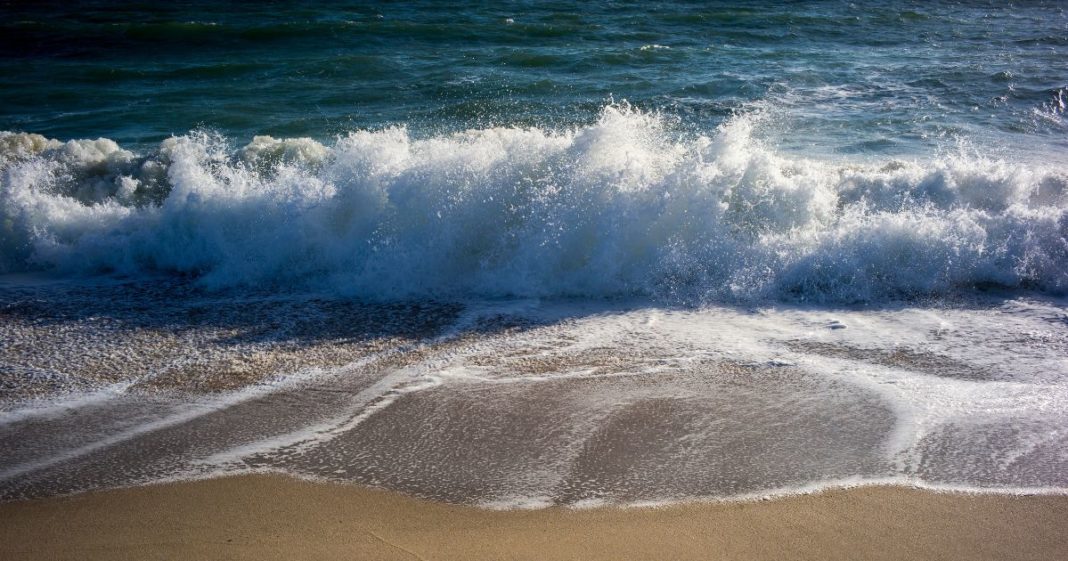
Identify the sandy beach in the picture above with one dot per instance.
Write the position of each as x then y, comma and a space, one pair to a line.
533, 280
274, 517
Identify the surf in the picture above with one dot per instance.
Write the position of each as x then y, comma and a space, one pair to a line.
630, 205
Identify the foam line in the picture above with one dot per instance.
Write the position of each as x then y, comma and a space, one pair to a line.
625, 206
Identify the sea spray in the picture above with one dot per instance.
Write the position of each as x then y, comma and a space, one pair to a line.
627, 206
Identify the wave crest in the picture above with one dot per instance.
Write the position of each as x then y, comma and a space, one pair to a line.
625, 206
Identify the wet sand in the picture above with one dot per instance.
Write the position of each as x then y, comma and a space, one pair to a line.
499, 404
273, 517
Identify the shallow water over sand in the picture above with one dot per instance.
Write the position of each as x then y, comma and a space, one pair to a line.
521, 403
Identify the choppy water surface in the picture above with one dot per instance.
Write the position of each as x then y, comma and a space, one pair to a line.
892, 77
535, 254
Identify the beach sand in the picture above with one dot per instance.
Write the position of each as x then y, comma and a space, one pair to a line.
274, 517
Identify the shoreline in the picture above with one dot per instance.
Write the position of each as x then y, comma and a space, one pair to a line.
535, 504
272, 516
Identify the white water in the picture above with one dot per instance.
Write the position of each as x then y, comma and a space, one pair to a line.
748, 394
626, 206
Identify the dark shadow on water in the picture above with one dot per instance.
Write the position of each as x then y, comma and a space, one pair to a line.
170, 333
249, 316
180, 305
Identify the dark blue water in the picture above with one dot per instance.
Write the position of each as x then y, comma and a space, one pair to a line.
819, 150
687, 249
887, 77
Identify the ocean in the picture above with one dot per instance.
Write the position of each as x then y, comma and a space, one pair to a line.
521, 254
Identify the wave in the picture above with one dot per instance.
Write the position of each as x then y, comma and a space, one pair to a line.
625, 206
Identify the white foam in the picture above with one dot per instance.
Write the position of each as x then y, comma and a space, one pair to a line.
624, 206
52, 407
181, 413
981, 378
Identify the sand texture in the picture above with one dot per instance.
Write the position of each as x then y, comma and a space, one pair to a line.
273, 517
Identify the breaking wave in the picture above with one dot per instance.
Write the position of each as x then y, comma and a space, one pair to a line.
625, 206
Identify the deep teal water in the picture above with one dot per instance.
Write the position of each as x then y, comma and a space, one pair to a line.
796, 244
900, 78
684, 151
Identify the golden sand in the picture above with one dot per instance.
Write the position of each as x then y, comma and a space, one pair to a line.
273, 517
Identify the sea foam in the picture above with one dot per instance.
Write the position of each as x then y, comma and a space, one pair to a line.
625, 206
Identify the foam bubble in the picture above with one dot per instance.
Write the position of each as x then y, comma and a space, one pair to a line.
267, 151
625, 206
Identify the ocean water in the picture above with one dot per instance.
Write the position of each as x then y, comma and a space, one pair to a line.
529, 253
